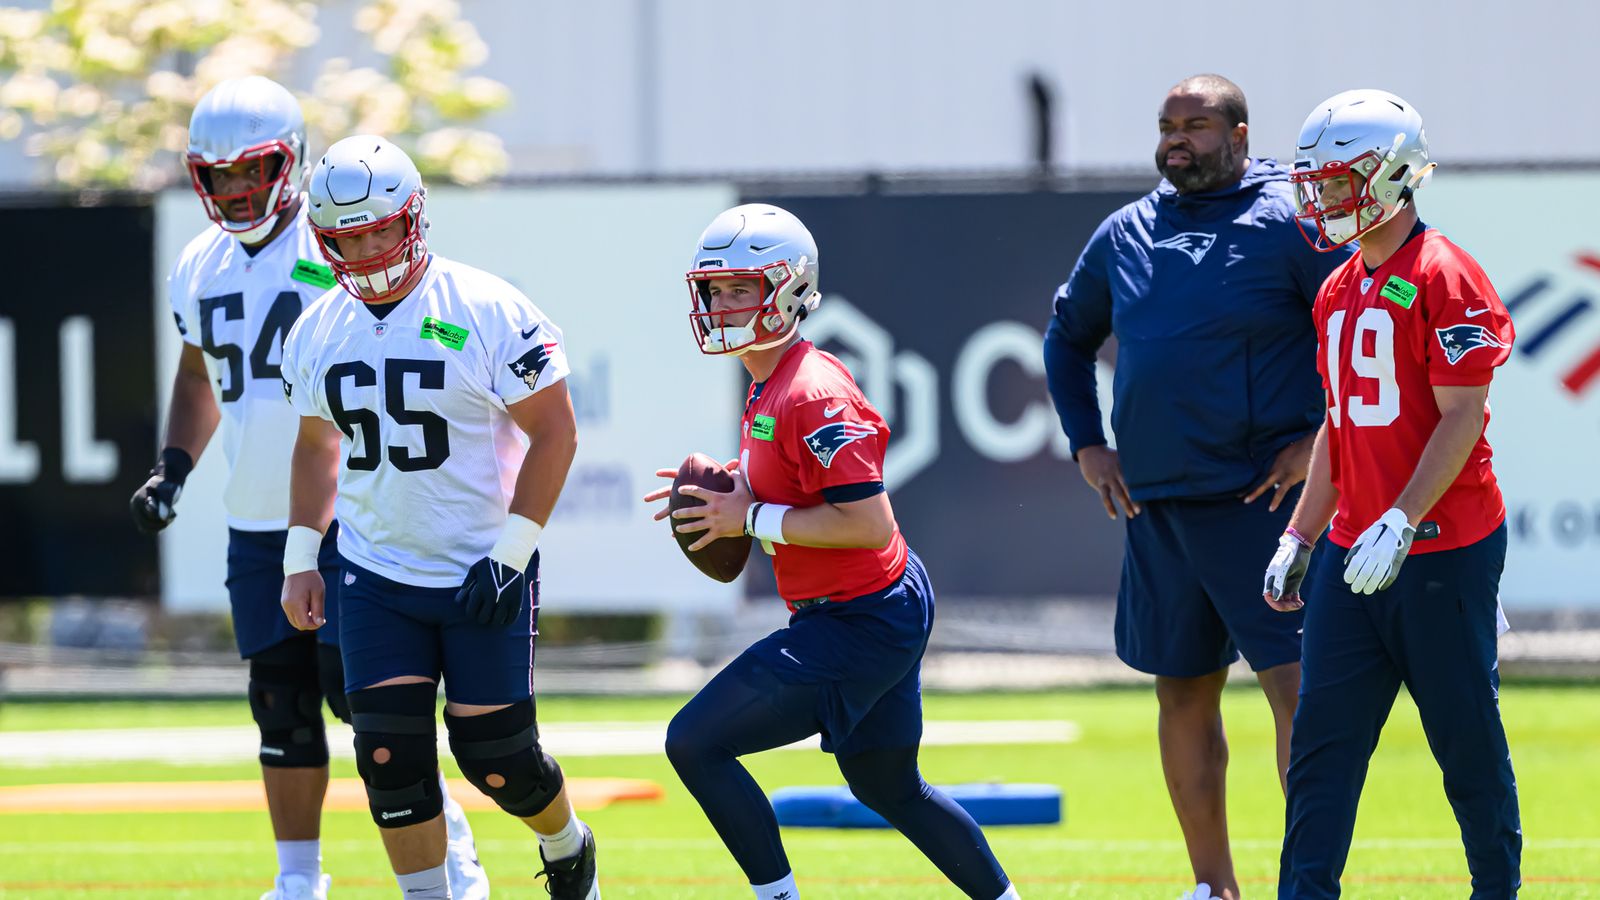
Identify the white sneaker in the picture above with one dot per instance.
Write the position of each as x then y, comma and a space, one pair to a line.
1202, 891
468, 880
299, 887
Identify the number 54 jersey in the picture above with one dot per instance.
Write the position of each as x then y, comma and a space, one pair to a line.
237, 308
1427, 317
430, 453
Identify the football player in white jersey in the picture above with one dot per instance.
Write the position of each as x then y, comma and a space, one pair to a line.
235, 292
434, 406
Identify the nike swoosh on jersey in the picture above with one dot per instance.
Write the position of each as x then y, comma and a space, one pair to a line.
785, 652
530, 332
834, 411
1472, 313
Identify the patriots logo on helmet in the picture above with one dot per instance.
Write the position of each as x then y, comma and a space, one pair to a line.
529, 365
1459, 340
827, 440
1192, 244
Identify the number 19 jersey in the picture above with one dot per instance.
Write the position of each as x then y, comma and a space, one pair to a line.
237, 308
430, 453
1428, 316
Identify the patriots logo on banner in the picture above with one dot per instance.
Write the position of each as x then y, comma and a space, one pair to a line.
529, 365
1192, 244
1459, 340
826, 441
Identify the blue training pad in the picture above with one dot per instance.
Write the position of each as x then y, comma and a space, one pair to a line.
988, 804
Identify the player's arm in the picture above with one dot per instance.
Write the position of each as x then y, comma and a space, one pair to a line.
313, 486
192, 417
1461, 423
867, 522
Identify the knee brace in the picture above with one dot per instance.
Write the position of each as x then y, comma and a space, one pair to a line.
286, 702
396, 752
499, 753
330, 676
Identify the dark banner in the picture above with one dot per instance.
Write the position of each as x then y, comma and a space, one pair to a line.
76, 410
938, 304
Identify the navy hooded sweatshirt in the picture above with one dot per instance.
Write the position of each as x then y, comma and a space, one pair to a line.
1209, 296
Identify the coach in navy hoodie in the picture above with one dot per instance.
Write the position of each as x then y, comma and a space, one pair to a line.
1207, 284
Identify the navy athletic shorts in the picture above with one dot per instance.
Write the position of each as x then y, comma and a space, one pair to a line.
255, 589
388, 629
1190, 601
867, 653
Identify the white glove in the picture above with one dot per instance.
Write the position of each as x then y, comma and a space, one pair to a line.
1281, 589
1374, 562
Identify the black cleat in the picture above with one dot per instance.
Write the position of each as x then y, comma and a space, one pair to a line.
573, 878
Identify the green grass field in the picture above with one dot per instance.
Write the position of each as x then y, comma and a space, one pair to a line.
1119, 838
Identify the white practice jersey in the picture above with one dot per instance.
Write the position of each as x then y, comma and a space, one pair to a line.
430, 454
237, 309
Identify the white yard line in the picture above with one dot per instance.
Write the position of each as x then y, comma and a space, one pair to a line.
229, 743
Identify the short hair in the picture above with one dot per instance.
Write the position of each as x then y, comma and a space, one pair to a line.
1226, 95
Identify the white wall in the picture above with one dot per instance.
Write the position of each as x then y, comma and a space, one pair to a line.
625, 87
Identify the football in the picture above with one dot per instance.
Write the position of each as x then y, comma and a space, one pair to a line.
724, 558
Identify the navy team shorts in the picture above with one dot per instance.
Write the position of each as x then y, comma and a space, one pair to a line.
387, 629
866, 653
255, 589
1190, 601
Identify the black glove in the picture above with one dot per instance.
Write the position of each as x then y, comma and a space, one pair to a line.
152, 504
493, 593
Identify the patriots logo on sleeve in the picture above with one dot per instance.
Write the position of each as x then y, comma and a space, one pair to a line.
827, 440
1459, 340
288, 388
182, 328
530, 365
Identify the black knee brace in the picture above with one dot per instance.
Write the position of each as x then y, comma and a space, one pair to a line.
397, 754
330, 675
286, 702
499, 753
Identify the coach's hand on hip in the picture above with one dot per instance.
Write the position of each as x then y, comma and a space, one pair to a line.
1288, 469
303, 594
1103, 471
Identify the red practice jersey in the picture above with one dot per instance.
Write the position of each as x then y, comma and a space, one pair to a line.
1428, 316
807, 429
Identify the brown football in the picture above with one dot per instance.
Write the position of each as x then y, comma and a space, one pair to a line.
724, 558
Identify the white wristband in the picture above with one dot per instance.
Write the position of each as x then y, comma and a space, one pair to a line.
301, 549
517, 542
768, 525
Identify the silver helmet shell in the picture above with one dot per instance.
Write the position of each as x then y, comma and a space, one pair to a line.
239, 121
761, 241
362, 184
1372, 136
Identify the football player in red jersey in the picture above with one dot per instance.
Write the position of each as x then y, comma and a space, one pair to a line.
809, 486
1410, 332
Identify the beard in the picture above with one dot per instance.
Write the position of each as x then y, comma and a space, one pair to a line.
1209, 172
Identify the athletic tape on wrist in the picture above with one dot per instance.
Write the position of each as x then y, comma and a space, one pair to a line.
300, 550
768, 525
517, 541
1290, 531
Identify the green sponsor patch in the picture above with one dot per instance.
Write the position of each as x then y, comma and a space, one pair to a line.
312, 274
1401, 291
452, 336
762, 428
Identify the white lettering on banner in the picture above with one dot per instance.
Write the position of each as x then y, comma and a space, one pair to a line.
969, 393
83, 458
19, 460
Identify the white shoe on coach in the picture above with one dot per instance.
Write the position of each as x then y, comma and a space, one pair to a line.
468, 880
299, 887
1202, 891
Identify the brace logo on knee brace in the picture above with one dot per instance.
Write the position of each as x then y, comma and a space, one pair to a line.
397, 753
287, 708
499, 753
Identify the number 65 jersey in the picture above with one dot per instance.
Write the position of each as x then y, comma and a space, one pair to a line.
237, 308
430, 454
1427, 317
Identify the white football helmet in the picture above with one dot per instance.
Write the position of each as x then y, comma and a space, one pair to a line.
362, 184
1374, 137
240, 120
760, 241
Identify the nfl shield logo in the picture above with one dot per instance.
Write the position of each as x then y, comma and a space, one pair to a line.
1365, 284
381, 328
